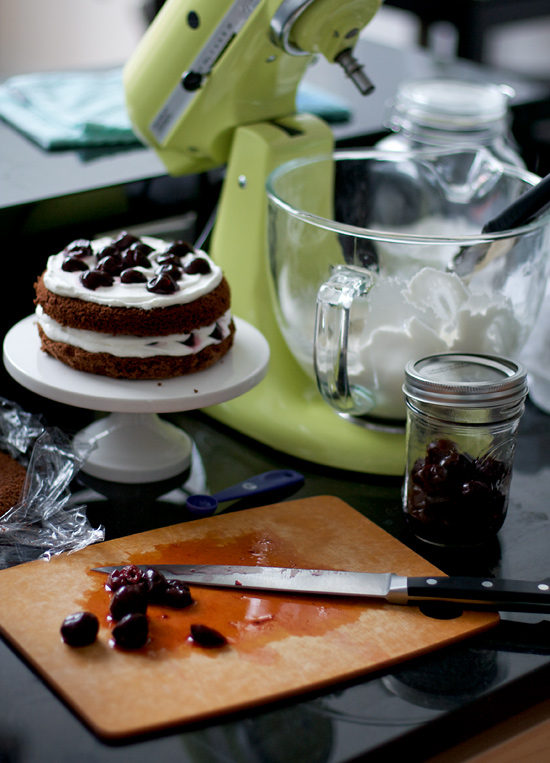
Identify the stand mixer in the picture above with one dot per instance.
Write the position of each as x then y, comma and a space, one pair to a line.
214, 83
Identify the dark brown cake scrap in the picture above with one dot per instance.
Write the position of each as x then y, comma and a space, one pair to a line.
12, 479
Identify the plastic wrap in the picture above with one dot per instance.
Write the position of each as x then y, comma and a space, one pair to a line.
43, 523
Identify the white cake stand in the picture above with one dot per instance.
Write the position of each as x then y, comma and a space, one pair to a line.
133, 444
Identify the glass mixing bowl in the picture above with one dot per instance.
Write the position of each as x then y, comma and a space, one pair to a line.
364, 249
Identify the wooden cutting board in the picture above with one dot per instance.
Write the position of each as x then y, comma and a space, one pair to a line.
279, 645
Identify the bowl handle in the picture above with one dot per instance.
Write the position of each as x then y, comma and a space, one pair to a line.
330, 351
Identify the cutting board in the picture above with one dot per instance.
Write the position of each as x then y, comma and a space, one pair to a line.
278, 645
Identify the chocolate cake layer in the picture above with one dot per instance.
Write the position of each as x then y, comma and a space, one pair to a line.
157, 367
133, 321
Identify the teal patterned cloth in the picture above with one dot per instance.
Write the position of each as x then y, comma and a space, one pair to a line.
63, 110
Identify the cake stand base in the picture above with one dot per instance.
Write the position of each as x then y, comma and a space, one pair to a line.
135, 448
133, 445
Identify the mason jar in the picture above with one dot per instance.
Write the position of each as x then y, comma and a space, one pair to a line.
463, 412
451, 113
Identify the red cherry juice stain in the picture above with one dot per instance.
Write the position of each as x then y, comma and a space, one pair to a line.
250, 620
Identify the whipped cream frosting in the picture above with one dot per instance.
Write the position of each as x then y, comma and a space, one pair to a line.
190, 287
124, 346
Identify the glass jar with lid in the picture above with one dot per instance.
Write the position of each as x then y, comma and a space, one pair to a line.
463, 412
451, 113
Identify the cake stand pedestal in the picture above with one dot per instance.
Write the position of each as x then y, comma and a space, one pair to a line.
132, 444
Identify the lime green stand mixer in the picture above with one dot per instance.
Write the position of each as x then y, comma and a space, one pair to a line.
213, 83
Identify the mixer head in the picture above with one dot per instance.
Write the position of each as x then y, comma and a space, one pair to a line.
204, 68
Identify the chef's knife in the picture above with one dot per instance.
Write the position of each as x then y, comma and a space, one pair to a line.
472, 593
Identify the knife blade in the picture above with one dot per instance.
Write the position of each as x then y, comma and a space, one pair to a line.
472, 592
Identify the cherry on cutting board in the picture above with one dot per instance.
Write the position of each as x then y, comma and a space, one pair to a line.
205, 636
128, 600
131, 632
80, 629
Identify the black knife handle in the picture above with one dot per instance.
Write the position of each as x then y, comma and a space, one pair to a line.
484, 593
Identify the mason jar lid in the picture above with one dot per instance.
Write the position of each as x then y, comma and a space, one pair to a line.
450, 104
463, 380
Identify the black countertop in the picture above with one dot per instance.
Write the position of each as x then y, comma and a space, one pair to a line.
416, 709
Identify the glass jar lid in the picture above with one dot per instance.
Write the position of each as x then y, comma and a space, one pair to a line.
463, 380
449, 104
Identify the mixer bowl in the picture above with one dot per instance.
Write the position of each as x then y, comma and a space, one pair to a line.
367, 239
